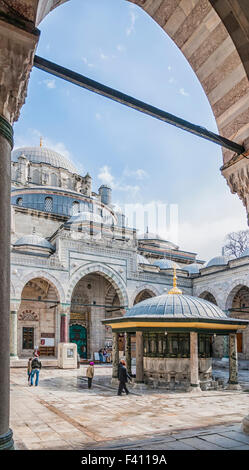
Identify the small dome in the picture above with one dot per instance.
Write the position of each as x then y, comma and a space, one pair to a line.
34, 240
245, 253
85, 216
44, 155
217, 261
193, 268
142, 260
176, 305
166, 264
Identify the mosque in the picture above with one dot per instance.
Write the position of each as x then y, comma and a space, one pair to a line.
75, 263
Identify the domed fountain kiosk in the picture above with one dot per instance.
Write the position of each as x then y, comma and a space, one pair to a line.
174, 334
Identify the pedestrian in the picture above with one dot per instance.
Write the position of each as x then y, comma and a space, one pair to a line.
123, 377
101, 355
104, 355
78, 361
36, 367
90, 374
29, 369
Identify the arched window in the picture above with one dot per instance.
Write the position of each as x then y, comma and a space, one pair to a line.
36, 177
54, 179
19, 201
76, 208
48, 207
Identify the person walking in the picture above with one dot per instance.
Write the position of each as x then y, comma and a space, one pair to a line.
29, 369
90, 374
36, 367
123, 377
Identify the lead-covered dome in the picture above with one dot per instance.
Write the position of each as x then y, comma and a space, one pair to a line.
167, 306
34, 240
245, 253
193, 268
166, 264
217, 261
44, 155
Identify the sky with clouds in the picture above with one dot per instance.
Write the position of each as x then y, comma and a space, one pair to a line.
145, 161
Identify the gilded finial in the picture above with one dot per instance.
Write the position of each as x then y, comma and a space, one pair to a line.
175, 289
41, 142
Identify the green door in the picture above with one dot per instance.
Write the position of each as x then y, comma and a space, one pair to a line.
78, 335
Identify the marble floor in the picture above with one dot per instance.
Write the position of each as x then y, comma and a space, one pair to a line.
61, 413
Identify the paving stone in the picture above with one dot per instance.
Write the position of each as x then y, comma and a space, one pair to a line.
223, 442
200, 444
237, 436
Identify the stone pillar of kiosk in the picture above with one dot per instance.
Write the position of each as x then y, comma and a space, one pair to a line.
17, 47
233, 363
194, 363
128, 352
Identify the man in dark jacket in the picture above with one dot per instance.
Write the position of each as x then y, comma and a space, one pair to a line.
35, 366
123, 377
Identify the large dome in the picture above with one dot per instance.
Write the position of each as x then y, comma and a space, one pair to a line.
44, 155
177, 306
193, 268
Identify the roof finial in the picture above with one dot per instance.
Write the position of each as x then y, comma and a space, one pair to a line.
175, 289
41, 142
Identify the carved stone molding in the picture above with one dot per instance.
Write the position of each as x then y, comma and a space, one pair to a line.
237, 177
17, 48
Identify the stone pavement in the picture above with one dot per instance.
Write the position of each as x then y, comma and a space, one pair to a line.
61, 413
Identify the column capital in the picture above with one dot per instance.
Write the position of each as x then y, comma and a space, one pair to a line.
236, 173
17, 49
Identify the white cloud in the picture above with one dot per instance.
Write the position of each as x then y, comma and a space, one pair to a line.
169, 68
172, 80
105, 176
183, 92
98, 116
131, 28
85, 60
50, 83
139, 174
120, 48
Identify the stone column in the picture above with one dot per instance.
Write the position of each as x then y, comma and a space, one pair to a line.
64, 336
17, 46
139, 357
115, 355
13, 335
233, 363
194, 363
128, 352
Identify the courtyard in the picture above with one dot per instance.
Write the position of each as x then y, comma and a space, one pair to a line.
62, 414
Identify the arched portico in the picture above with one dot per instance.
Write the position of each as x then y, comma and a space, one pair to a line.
97, 293
38, 323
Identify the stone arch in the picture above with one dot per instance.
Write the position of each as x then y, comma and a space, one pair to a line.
97, 268
43, 275
233, 290
208, 295
145, 287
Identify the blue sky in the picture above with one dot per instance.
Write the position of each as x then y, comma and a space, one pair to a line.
144, 160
